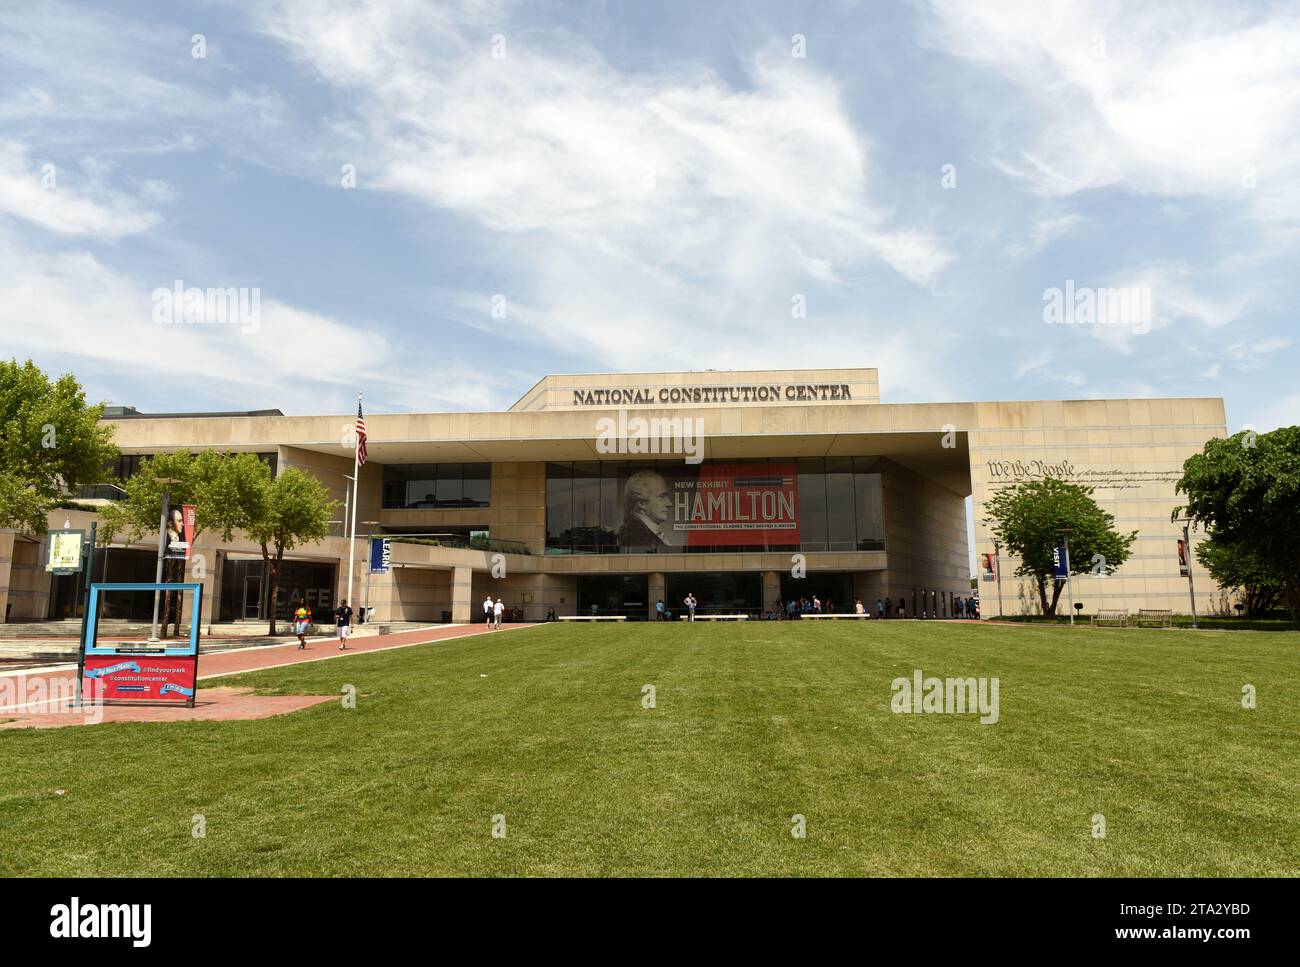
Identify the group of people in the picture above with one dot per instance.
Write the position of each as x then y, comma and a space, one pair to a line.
342, 624
494, 611
885, 608
690, 603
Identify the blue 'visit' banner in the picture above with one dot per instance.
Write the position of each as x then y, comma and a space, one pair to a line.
381, 555
1060, 563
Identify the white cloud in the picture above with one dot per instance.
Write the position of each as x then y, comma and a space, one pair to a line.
57, 200
300, 360
1045, 230
1161, 99
648, 219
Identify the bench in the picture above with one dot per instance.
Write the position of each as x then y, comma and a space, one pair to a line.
593, 617
1119, 617
802, 616
1154, 617
722, 617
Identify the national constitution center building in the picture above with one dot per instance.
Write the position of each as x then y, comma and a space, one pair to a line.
610, 492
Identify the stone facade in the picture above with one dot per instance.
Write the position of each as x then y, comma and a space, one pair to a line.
933, 456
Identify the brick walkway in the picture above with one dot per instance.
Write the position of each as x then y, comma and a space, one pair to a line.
39, 700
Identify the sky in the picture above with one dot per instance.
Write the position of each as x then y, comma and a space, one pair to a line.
437, 204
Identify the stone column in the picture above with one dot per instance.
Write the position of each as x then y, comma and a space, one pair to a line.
6, 571
771, 590
461, 590
654, 592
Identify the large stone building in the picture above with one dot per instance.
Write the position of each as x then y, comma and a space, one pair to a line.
613, 491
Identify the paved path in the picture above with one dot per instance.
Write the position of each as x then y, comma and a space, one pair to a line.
41, 699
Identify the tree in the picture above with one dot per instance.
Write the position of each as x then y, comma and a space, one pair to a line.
51, 444
1245, 492
294, 508
1030, 519
1237, 566
225, 489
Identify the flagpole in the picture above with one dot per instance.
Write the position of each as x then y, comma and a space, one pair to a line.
356, 499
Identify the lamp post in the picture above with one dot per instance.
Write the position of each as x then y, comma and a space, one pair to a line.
370, 541
104, 575
997, 567
162, 543
1191, 587
1069, 584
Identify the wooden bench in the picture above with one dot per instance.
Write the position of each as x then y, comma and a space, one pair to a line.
593, 617
721, 617
1113, 615
1154, 617
832, 616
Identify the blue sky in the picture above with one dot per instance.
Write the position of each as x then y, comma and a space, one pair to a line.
648, 186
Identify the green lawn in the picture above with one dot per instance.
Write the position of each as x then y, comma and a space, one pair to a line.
754, 723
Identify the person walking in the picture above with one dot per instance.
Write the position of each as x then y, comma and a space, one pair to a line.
343, 623
659, 610
301, 622
497, 610
690, 603
487, 609
880, 608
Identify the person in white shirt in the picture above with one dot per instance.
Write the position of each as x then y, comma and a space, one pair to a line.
496, 612
487, 609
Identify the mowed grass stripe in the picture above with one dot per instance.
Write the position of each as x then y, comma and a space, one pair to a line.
753, 724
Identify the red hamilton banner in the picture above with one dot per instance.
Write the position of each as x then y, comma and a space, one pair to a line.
738, 504
714, 505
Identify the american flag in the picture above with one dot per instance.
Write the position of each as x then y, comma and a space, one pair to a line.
361, 437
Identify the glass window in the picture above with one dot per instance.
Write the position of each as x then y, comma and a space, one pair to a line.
812, 504
421, 481
869, 504
610, 521
841, 529
586, 507
559, 506
395, 486
448, 488
478, 485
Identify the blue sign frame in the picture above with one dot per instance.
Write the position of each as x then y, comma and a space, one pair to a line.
128, 648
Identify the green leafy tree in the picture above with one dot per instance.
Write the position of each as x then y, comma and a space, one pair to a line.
1238, 567
293, 509
225, 489
1030, 519
51, 444
1245, 492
